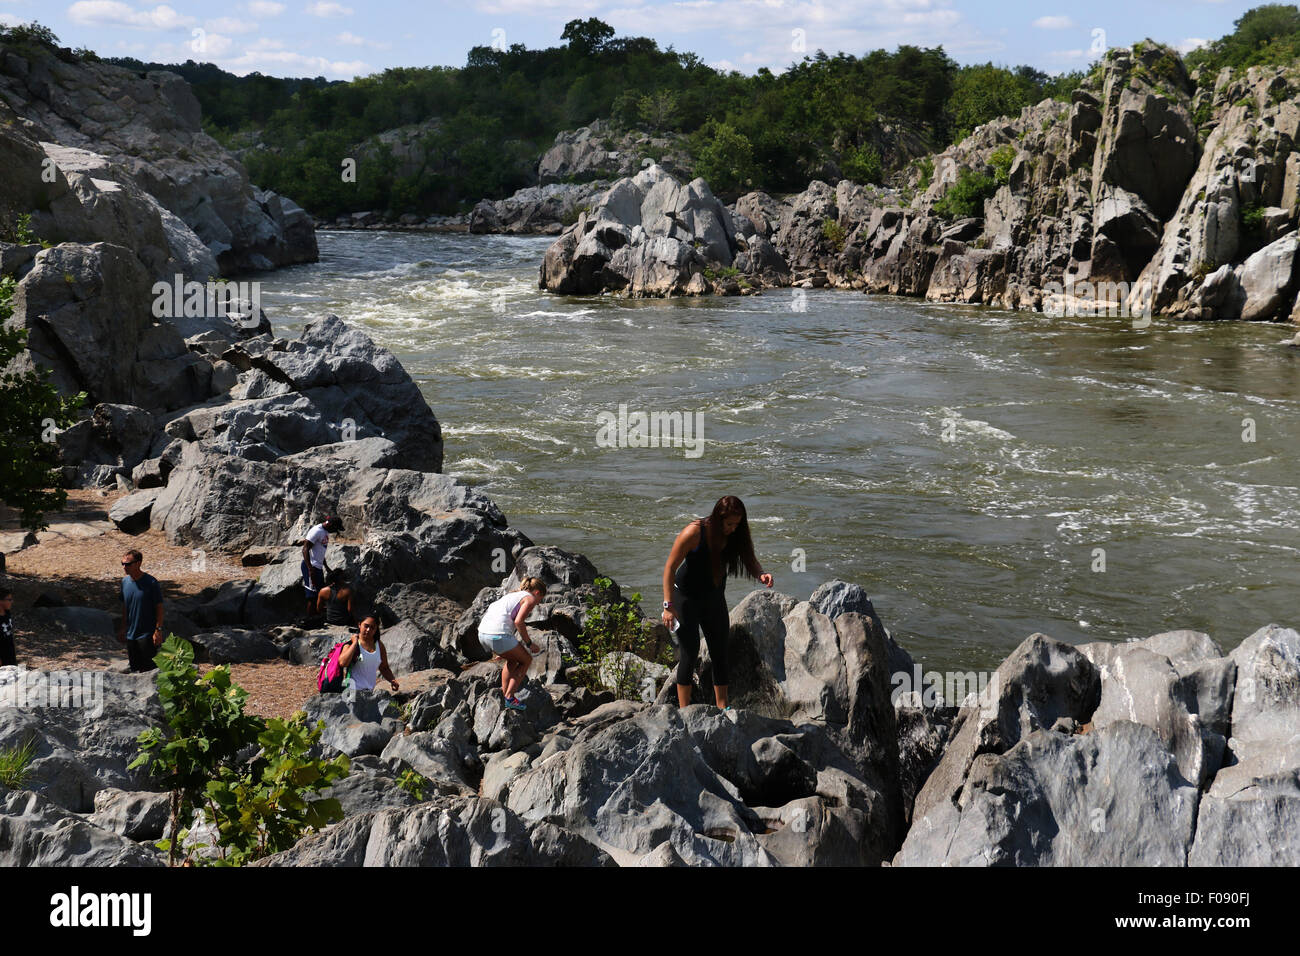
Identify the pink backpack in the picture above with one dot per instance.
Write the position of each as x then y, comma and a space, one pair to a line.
333, 677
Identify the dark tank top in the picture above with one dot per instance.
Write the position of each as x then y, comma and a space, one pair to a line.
694, 576
336, 609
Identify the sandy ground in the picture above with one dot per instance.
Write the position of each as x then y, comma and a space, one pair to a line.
78, 560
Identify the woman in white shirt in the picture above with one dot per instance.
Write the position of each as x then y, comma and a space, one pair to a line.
502, 628
366, 657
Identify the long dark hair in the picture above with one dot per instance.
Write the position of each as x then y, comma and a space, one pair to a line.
737, 554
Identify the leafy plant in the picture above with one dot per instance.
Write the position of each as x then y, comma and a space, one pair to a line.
15, 764
965, 198
862, 164
31, 411
1252, 217
617, 627
1002, 159
834, 234
252, 779
413, 783
926, 166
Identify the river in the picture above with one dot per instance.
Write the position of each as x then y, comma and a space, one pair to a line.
983, 474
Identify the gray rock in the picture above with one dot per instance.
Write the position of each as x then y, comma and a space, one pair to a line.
1041, 681
1109, 798
357, 722
84, 728
136, 816
36, 832
235, 646
131, 513
436, 759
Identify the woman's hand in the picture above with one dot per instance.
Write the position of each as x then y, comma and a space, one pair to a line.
393, 682
669, 618
766, 579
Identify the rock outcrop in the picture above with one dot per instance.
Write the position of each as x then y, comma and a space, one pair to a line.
146, 133
650, 236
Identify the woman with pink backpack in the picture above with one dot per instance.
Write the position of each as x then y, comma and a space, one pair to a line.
358, 662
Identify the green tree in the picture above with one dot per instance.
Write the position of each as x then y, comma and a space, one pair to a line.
724, 157
658, 110
587, 37
253, 779
983, 93
31, 409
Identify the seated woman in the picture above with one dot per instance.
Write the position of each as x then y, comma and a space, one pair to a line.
335, 599
366, 657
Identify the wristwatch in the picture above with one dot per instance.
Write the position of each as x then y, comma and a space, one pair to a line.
668, 605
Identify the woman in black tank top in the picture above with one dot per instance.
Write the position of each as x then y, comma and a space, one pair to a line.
336, 598
706, 551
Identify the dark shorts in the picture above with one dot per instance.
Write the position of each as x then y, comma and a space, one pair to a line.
7, 654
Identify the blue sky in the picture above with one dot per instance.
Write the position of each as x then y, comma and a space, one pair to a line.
340, 39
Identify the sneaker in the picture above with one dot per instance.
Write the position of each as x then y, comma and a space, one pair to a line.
514, 704
522, 693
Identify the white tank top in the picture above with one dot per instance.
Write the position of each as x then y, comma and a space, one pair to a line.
365, 669
499, 618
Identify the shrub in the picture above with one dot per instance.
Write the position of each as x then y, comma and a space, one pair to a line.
965, 198
413, 783
617, 627
1252, 217
31, 409
253, 779
862, 164
834, 234
926, 166
1001, 159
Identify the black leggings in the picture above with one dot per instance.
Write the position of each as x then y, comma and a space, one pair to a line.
708, 613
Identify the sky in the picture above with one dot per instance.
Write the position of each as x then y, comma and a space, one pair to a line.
348, 38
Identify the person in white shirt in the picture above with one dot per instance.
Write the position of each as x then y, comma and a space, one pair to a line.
314, 567
502, 628
366, 657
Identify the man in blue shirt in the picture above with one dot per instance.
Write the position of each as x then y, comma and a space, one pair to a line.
142, 613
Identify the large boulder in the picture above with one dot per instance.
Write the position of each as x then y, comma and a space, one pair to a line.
36, 832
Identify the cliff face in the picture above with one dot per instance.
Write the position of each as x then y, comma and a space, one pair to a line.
1120, 200
146, 128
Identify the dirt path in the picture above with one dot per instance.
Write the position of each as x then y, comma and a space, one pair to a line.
77, 560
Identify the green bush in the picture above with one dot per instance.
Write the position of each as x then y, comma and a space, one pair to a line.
862, 164
1252, 217
252, 778
1001, 159
926, 165
31, 410
834, 234
965, 198
617, 627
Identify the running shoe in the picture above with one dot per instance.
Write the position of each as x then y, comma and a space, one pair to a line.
514, 704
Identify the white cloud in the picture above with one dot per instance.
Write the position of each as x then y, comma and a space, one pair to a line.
102, 13
265, 8
11, 20
351, 39
1055, 23
263, 56
229, 25
323, 9
1190, 44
